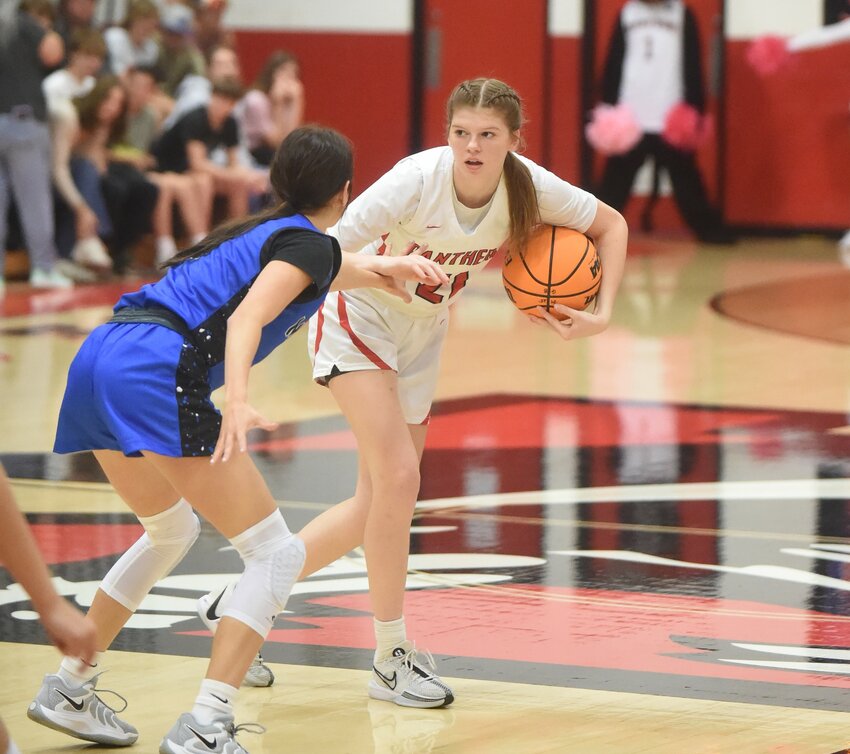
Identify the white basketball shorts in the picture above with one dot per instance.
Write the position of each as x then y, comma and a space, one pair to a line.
352, 331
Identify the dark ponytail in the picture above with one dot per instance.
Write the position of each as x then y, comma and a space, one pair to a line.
310, 167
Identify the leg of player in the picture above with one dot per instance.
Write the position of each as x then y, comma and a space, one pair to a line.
234, 498
369, 400
68, 700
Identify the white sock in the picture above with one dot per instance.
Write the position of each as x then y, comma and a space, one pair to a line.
12, 748
75, 672
388, 635
214, 700
197, 238
166, 247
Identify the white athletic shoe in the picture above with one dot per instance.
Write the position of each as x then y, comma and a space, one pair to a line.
49, 279
80, 712
188, 736
408, 681
91, 252
209, 610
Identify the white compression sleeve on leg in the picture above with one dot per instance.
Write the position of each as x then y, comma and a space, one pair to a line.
167, 538
273, 558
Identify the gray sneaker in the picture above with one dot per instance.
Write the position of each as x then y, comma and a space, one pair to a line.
210, 607
188, 736
80, 712
408, 678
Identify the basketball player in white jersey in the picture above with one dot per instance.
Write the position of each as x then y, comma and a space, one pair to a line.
456, 205
462, 201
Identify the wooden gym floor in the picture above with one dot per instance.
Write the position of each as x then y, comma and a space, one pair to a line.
639, 542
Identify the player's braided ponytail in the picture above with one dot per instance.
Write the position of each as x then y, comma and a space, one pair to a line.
522, 197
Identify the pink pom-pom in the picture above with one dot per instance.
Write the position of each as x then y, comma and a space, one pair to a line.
766, 55
612, 129
685, 128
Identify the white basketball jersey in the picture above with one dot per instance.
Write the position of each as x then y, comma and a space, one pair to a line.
652, 80
413, 203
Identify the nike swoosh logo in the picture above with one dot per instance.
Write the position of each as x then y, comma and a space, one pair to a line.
391, 682
209, 744
211, 613
216, 696
76, 705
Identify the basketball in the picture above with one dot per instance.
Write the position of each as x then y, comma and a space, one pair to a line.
557, 266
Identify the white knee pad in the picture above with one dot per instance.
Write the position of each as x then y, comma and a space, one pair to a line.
273, 558
167, 538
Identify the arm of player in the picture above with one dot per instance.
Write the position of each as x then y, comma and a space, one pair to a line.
822, 36
273, 290
610, 234
72, 633
386, 272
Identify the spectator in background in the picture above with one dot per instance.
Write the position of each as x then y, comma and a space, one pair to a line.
73, 15
129, 196
273, 108
43, 11
195, 89
205, 141
76, 222
654, 63
209, 31
28, 50
192, 192
134, 44
180, 55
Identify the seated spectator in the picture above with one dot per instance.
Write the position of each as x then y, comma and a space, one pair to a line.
73, 15
180, 55
192, 192
129, 197
135, 43
209, 31
195, 89
76, 222
42, 11
273, 108
206, 141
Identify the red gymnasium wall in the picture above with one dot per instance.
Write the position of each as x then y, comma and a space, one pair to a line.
357, 83
785, 159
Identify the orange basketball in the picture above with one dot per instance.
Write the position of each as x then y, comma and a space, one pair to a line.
557, 266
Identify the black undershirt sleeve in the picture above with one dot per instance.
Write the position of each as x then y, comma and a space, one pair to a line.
316, 254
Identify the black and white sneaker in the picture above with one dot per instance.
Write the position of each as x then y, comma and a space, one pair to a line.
405, 679
210, 608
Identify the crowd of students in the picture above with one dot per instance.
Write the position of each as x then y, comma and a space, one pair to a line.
143, 122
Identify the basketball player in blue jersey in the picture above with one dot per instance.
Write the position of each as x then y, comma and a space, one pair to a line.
138, 395
380, 357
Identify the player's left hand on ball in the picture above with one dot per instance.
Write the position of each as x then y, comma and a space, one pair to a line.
578, 324
236, 419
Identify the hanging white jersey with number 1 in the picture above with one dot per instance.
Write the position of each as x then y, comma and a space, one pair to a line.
414, 203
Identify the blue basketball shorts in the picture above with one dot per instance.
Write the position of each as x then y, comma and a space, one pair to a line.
135, 387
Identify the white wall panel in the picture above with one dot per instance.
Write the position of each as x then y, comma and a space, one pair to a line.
566, 18
746, 19
348, 16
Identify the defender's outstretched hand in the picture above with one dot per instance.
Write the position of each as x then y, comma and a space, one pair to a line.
236, 419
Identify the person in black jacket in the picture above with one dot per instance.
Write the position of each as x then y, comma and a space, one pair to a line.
654, 64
